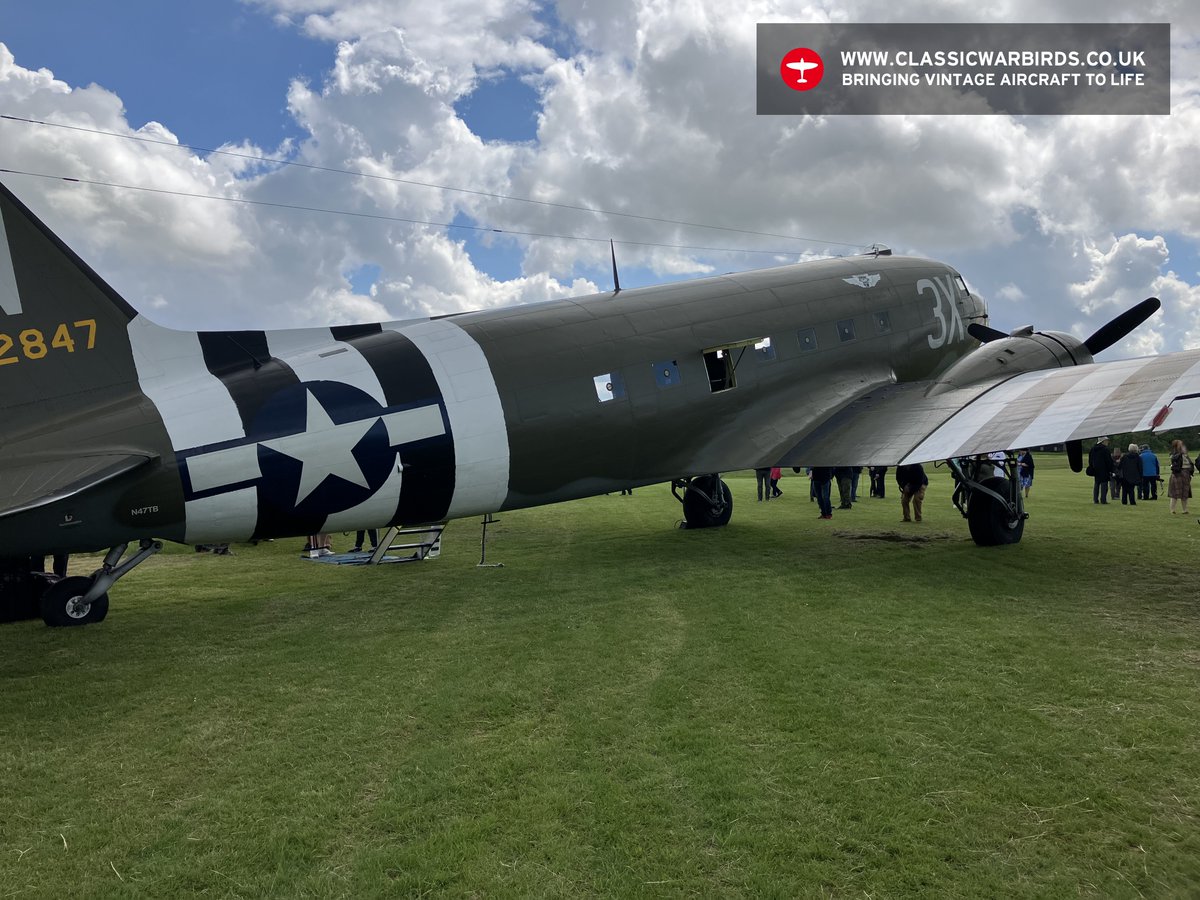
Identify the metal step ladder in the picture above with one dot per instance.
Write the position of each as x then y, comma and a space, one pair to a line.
398, 545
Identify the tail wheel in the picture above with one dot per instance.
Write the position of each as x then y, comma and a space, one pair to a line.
707, 503
62, 603
990, 521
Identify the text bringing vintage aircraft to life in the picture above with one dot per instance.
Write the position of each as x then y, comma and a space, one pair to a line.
117, 432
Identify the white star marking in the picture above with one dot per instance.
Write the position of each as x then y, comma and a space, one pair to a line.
324, 449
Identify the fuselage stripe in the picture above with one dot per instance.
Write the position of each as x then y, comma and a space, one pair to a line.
476, 417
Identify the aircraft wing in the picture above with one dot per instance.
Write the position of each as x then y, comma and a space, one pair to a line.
37, 484
924, 421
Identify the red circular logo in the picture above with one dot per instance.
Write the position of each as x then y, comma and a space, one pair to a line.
801, 69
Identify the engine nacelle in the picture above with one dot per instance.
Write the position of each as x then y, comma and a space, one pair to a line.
1023, 350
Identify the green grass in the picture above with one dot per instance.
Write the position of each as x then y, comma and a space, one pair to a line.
784, 707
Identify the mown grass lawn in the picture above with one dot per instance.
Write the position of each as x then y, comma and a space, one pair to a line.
784, 707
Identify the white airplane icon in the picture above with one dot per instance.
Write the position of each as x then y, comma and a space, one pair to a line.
803, 66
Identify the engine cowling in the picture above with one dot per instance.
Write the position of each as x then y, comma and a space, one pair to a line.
1023, 350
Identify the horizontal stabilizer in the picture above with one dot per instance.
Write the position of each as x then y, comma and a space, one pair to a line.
40, 484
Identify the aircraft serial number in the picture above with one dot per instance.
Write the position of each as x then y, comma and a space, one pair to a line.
33, 344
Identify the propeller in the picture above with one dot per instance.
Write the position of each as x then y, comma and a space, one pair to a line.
1075, 455
1105, 336
985, 333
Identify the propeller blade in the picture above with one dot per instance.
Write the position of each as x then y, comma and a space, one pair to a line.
984, 333
1107, 335
1075, 455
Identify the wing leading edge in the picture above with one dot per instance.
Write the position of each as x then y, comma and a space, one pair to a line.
907, 423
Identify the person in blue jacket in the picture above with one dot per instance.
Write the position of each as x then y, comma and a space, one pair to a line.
1148, 490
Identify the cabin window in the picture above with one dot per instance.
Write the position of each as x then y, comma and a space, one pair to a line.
845, 329
883, 322
962, 286
764, 350
719, 364
666, 373
808, 338
609, 387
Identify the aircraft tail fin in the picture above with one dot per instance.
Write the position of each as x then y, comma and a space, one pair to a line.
64, 332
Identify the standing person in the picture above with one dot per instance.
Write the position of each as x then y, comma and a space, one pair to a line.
998, 458
821, 477
855, 474
878, 480
1150, 473
319, 545
1025, 469
1116, 473
1131, 475
776, 474
912, 481
845, 489
1100, 468
1179, 486
358, 540
762, 478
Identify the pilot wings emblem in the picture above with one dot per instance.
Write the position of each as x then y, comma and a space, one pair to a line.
863, 281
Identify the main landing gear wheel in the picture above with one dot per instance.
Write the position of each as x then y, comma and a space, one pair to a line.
991, 522
990, 502
707, 502
62, 604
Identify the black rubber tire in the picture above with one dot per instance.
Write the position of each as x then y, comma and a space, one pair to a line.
698, 512
59, 608
988, 519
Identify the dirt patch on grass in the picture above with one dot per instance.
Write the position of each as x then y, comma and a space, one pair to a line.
896, 537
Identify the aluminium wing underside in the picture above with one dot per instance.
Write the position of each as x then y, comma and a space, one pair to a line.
922, 421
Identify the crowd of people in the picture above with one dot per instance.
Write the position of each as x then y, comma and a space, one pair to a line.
911, 481
1134, 474
1131, 474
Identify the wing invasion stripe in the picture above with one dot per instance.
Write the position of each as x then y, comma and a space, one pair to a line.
1126, 405
1188, 380
1003, 433
1076, 401
946, 440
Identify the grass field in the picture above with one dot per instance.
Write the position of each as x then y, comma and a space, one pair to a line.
784, 707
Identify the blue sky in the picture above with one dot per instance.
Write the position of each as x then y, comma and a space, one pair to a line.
223, 73
214, 72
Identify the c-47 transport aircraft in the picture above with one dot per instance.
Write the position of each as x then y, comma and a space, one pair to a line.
116, 432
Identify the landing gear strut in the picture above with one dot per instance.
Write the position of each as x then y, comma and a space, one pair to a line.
707, 500
991, 504
83, 599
